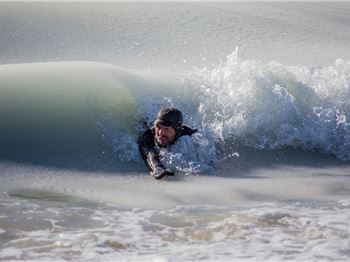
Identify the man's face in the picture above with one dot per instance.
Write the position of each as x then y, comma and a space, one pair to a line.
164, 135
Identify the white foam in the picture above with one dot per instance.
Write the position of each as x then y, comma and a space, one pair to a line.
298, 231
269, 106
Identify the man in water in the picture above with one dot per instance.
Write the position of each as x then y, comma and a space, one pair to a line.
166, 130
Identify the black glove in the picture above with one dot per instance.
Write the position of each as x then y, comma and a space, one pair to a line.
160, 172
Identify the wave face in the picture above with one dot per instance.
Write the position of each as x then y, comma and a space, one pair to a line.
49, 108
74, 108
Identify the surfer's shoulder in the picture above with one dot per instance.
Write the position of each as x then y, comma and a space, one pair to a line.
188, 131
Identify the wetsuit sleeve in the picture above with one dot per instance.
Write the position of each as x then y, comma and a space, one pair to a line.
149, 154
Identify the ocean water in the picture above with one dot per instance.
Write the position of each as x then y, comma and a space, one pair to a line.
267, 176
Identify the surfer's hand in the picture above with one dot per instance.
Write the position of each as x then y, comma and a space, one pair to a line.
168, 173
160, 172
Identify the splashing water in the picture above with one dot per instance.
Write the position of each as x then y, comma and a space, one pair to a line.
249, 103
270, 106
189, 154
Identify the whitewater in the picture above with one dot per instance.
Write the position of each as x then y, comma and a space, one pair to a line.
266, 178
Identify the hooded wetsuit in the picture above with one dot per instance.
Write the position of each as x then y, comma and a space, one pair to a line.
149, 147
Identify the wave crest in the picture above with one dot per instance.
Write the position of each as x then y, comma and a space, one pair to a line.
269, 106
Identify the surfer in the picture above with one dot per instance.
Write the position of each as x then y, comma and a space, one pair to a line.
167, 128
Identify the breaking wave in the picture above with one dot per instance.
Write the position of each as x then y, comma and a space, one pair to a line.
81, 106
270, 106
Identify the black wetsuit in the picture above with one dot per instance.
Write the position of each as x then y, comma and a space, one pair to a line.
149, 150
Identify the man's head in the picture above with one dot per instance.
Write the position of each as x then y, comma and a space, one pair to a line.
168, 125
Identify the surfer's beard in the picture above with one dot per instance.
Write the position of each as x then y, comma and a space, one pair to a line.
162, 140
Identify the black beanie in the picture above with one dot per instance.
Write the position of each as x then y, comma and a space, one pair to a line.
170, 117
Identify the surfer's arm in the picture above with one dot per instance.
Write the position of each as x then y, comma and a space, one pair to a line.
150, 157
151, 160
